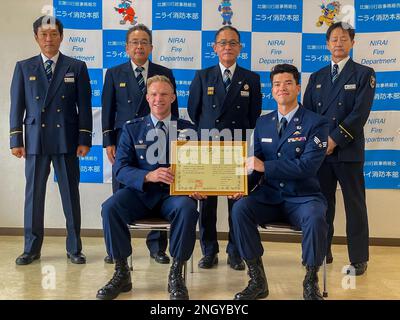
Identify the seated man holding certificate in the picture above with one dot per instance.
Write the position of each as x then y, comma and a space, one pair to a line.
289, 147
142, 165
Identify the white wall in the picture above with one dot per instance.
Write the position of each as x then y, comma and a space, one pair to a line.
16, 38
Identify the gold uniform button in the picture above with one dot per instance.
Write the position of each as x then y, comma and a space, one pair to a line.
233, 122
279, 154
238, 107
43, 110
298, 149
58, 126
37, 97
62, 97
339, 103
129, 101
334, 119
43, 125
58, 110
319, 104
217, 121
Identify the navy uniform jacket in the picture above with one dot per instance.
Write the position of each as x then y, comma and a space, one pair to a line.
122, 100
346, 104
131, 165
58, 115
292, 161
209, 106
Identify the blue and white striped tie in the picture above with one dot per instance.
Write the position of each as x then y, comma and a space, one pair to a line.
227, 79
335, 72
48, 69
139, 78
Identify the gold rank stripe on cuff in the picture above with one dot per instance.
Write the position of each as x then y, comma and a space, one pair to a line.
106, 131
348, 133
15, 132
84, 130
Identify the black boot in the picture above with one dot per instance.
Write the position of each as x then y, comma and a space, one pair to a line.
310, 285
120, 282
257, 287
176, 284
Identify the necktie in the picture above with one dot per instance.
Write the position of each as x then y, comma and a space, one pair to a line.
282, 126
227, 79
335, 72
48, 69
162, 142
139, 78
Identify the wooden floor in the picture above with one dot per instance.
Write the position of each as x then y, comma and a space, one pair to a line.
53, 277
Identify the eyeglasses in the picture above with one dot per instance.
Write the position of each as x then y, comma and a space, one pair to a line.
232, 43
136, 43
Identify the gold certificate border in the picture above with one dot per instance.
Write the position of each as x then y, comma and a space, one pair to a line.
174, 151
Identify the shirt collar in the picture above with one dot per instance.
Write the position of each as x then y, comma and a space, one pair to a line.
54, 59
145, 66
166, 120
340, 64
288, 116
232, 68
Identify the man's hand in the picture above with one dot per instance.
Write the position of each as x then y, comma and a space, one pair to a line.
331, 146
18, 152
253, 163
110, 151
236, 196
164, 175
197, 196
82, 151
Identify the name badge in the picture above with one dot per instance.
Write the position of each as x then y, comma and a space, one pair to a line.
140, 146
244, 93
210, 91
122, 84
350, 86
32, 78
267, 140
69, 80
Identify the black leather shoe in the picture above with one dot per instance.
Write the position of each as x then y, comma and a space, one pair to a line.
176, 285
160, 257
357, 269
108, 259
310, 285
235, 262
120, 282
257, 288
27, 258
78, 258
329, 257
207, 262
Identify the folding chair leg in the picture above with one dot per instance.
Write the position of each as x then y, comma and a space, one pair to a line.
191, 264
131, 263
325, 292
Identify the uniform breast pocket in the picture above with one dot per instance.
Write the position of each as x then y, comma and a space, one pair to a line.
295, 149
349, 96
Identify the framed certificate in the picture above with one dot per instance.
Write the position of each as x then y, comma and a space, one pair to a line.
209, 167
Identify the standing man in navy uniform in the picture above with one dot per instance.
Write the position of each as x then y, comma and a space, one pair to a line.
343, 92
51, 96
289, 147
146, 175
225, 96
123, 99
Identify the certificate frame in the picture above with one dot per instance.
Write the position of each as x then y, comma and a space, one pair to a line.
178, 168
